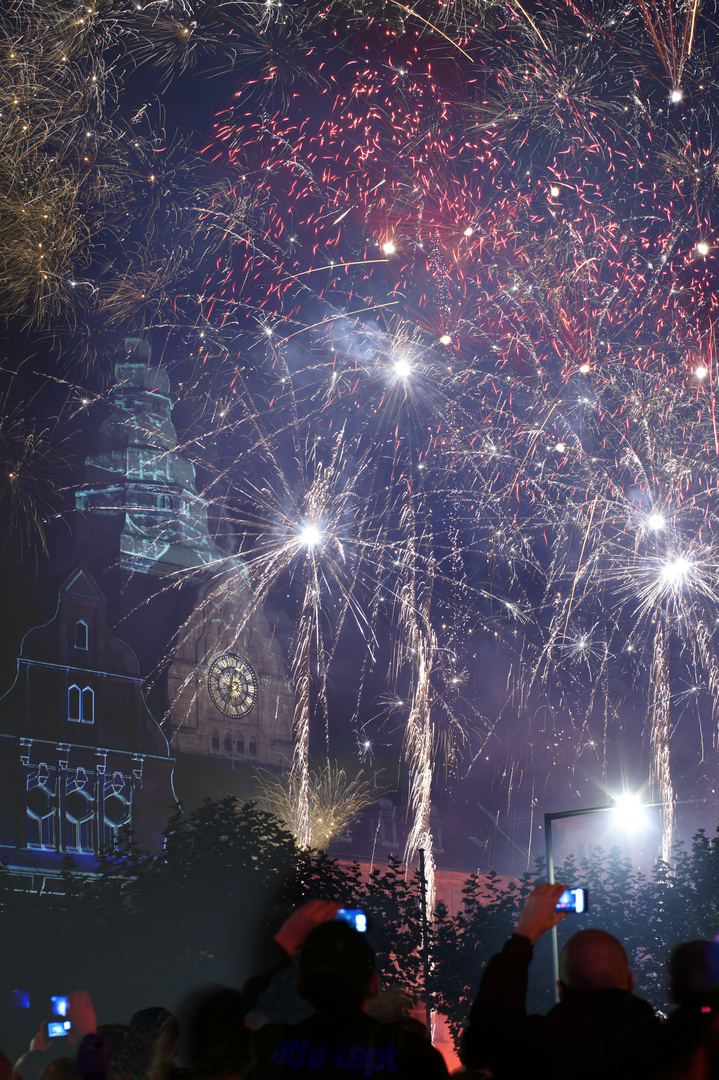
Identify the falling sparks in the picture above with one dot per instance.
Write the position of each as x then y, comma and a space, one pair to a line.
438, 292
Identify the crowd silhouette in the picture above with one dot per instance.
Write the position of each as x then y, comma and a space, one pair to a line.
599, 1028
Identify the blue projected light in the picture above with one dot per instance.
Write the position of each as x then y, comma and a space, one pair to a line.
21, 998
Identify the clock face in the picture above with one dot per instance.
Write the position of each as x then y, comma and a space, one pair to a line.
232, 685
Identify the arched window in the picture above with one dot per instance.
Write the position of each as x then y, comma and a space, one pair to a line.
228, 744
216, 742
41, 807
241, 745
79, 811
81, 704
118, 809
88, 705
253, 747
81, 635
74, 704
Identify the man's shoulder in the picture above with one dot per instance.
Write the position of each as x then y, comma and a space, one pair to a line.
608, 1002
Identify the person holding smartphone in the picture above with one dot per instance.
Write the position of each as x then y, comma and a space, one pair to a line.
336, 974
599, 1028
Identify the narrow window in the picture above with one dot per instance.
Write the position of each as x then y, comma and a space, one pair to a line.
253, 747
81, 635
74, 704
41, 807
88, 705
228, 744
118, 809
215, 742
79, 818
241, 745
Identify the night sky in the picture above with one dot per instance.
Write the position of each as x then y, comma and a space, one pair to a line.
435, 287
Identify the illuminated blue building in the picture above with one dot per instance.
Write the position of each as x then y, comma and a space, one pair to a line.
84, 762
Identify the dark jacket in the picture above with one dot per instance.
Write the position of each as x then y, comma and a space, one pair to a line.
587, 1036
334, 1044
339, 1045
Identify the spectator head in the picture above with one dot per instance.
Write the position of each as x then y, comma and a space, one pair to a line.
593, 960
694, 975
337, 968
166, 1046
148, 1023
145, 1028
122, 1056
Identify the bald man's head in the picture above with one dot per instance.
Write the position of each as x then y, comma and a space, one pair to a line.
594, 960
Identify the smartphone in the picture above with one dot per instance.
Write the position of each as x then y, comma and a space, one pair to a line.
57, 1028
576, 900
60, 1005
354, 916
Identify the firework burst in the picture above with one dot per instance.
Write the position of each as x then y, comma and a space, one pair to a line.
442, 329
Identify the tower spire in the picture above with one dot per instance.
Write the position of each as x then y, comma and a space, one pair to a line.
138, 475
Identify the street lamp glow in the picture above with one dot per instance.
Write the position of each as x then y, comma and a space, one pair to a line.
310, 536
629, 811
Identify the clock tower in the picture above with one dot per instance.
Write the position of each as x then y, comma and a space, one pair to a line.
224, 691
227, 687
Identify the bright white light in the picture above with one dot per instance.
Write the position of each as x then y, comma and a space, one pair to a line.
554, 191
674, 571
446, 339
701, 372
560, 447
469, 231
655, 521
388, 248
702, 248
629, 812
676, 95
402, 369
310, 536
585, 369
